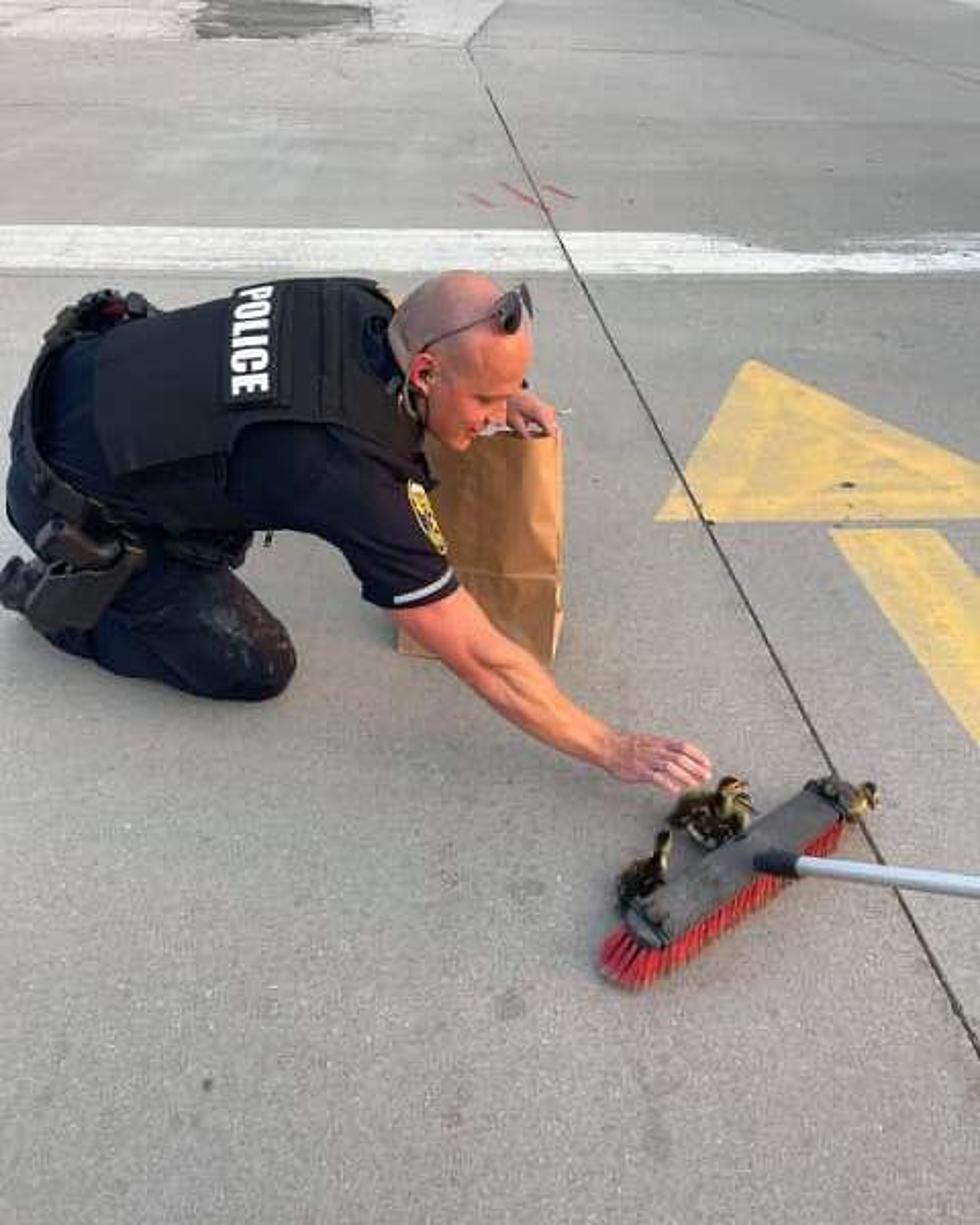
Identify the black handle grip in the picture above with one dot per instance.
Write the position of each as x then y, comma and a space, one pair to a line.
776, 863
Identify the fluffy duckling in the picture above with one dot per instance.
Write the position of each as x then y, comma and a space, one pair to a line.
712, 817
644, 875
865, 798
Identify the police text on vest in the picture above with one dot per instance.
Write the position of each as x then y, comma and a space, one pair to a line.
250, 316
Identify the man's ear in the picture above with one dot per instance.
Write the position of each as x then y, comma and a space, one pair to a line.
420, 371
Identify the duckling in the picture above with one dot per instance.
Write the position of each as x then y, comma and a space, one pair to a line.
644, 875
712, 817
865, 798
690, 806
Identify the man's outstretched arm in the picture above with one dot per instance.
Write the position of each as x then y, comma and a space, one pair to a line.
518, 687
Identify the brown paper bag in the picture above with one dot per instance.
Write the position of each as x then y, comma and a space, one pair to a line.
500, 507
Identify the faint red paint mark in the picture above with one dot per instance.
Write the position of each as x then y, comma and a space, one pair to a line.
521, 195
558, 191
481, 199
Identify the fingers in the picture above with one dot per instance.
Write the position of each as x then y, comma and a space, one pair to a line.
692, 758
546, 417
674, 765
676, 775
681, 760
527, 410
517, 419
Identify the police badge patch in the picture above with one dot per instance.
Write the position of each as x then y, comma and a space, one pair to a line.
426, 516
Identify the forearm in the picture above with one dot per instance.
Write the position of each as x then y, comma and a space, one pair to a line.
524, 693
521, 690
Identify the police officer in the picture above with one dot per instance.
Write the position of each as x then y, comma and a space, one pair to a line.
149, 446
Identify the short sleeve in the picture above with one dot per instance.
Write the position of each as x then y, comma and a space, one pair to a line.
311, 479
395, 546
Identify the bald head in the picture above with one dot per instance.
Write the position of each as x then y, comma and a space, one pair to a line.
465, 381
440, 304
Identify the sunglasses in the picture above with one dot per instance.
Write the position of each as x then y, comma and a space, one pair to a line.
508, 311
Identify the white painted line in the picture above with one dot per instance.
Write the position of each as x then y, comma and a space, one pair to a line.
650, 254
203, 249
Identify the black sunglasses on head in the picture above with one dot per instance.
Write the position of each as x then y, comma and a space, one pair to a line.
508, 310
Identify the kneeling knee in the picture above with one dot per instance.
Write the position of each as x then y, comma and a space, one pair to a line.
272, 671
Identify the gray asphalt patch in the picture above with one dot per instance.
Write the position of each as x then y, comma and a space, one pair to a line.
277, 18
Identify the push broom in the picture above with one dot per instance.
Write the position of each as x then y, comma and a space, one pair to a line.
669, 925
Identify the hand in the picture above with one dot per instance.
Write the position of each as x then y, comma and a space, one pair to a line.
525, 410
674, 765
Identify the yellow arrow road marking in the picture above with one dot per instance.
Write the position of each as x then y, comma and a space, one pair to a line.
932, 599
779, 449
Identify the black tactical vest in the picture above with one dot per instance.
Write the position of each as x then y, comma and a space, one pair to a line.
173, 392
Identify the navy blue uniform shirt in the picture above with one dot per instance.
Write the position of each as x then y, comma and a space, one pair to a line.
308, 478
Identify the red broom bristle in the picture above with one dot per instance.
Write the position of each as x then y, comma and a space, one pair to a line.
634, 965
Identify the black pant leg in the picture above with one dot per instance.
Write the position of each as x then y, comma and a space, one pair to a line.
202, 631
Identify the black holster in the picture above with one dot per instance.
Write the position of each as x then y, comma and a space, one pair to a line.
74, 580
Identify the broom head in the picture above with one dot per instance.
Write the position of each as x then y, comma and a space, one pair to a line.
672, 924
